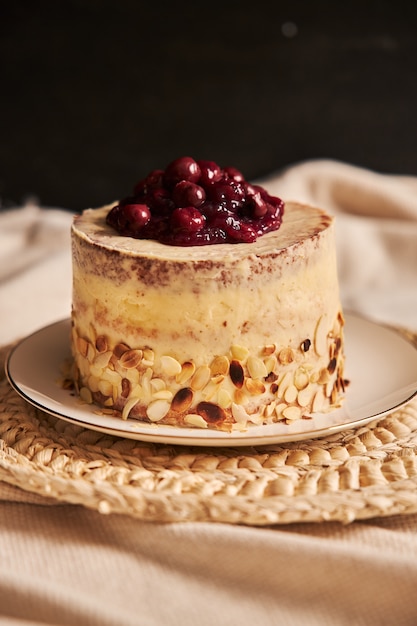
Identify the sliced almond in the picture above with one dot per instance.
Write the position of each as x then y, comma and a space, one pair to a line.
256, 367
182, 400
157, 410
130, 358
219, 366
285, 356
187, 370
170, 366
255, 387
292, 413
239, 352
320, 336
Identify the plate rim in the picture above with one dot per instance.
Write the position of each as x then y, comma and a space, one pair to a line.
143, 431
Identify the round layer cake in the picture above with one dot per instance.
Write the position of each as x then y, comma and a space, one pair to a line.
220, 336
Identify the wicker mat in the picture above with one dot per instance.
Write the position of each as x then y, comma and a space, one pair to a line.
357, 474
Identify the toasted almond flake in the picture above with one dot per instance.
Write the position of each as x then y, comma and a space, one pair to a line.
239, 352
82, 346
224, 398
256, 418
163, 394
239, 413
292, 413
285, 356
301, 378
200, 378
219, 366
305, 395
132, 375
285, 382
269, 408
255, 387
93, 383
128, 407
270, 363
120, 349
170, 366
96, 371
210, 390
157, 384
211, 412
101, 344
324, 377
192, 419
182, 400
329, 388
85, 395
126, 386
318, 401
256, 367
111, 376
130, 358
239, 396
320, 336
91, 353
102, 359
314, 376
105, 387
268, 350
291, 394
279, 409
236, 373
148, 357
136, 392
157, 410
187, 370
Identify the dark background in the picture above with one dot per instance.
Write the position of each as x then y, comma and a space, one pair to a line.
95, 93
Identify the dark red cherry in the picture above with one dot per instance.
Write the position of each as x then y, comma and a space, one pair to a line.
187, 218
112, 217
227, 193
186, 193
240, 231
160, 201
133, 217
258, 206
234, 174
210, 172
152, 181
184, 168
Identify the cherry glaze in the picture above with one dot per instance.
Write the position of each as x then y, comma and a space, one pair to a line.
194, 203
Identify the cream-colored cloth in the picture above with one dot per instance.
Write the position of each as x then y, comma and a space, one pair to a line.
63, 564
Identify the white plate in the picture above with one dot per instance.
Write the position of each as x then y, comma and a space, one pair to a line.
381, 367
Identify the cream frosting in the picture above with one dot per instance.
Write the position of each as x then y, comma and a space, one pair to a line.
196, 304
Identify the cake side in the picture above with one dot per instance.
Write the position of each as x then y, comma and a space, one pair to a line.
208, 336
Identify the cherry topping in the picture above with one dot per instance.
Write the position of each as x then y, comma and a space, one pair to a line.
184, 168
187, 218
186, 193
210, 172
194, 203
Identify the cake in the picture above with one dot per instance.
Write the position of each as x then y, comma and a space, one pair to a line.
215, 309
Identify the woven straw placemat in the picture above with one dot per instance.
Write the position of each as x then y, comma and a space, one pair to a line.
358, 474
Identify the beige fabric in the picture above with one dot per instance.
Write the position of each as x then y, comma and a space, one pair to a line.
65, 564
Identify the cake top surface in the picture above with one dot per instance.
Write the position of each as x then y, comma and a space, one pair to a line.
300, 222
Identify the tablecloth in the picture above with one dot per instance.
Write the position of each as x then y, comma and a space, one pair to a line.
65, 564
